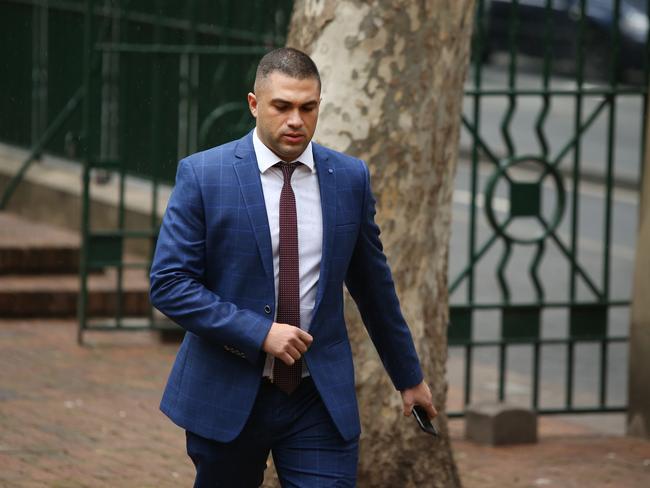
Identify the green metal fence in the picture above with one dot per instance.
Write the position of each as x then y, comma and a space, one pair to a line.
538, 189
196, 57
153, 93
130, 87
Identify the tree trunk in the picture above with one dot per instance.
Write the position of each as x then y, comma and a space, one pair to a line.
638, 414
393, 78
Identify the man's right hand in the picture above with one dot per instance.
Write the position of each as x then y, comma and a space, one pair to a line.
286, 342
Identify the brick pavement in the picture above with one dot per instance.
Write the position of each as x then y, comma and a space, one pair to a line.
88, 417
85, 417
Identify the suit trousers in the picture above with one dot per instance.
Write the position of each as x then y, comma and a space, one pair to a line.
307, 449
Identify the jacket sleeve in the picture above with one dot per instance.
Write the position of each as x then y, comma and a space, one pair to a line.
370, 282
177, 271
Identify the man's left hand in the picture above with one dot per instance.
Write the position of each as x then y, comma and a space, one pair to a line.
418, 395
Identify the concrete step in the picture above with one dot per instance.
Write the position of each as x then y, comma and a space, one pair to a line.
28, 247
57, 295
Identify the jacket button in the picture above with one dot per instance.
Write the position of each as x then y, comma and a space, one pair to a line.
267, 308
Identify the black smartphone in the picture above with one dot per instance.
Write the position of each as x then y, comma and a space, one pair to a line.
422, 418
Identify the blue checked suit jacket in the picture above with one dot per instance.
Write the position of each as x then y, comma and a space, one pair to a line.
212, 274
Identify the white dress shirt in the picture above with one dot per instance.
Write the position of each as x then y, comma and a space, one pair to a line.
310, 226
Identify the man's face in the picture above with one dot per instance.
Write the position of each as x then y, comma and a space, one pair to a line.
286, 110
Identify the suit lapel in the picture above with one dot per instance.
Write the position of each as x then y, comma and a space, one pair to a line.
248, 174
327, 184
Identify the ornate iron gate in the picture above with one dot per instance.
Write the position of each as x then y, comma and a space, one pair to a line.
568, 72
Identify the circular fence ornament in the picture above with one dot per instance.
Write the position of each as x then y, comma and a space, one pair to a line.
525, 199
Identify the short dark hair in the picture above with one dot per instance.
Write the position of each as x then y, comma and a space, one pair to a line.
289, 61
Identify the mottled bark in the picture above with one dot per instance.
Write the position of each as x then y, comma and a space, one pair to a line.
393, 75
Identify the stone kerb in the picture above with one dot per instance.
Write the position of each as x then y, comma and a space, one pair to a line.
500, 424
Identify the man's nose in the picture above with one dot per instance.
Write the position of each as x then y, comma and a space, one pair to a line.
295, 120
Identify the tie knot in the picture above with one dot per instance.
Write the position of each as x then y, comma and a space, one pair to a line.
288, 169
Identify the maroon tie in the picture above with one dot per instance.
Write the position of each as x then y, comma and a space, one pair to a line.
286, 377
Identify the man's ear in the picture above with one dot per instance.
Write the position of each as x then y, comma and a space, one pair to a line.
252, 104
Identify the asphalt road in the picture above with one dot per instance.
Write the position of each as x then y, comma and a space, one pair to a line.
554, 271
560, 123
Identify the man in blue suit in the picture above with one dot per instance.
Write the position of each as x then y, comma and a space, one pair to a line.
258, 238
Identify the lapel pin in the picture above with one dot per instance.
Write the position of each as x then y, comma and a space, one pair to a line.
330, 171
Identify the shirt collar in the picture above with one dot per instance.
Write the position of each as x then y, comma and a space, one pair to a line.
267, 158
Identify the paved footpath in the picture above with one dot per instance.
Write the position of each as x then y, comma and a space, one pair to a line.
88, 417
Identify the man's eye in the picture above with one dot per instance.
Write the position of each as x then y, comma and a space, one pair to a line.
281, 108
